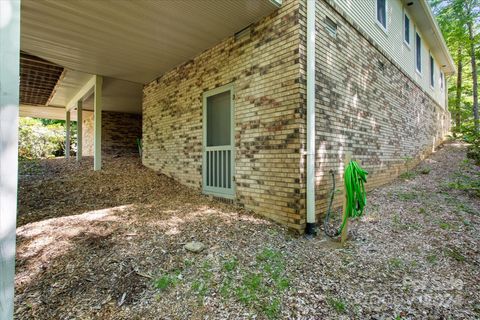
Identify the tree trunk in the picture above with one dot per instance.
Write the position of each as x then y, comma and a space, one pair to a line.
458, 113
474, 77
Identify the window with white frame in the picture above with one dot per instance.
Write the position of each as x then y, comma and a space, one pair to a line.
432, 72
406, 29
418, 52
382, 13
442, 81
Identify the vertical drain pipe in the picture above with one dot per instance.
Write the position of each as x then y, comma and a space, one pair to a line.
310, 230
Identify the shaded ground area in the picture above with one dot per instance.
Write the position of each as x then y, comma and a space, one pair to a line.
109, 245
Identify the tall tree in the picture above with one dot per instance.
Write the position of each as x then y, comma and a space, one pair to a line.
459, 22
458, 113
472, 13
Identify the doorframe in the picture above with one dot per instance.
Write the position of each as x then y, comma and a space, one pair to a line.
228, 87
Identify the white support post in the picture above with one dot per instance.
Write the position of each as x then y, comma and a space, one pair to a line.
9, 107
67, 135
79, 130
97, 126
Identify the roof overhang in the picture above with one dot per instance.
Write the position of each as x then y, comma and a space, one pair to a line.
423, 16
134, 40
45, 112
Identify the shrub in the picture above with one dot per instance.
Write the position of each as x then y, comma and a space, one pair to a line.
38, 140
472, 137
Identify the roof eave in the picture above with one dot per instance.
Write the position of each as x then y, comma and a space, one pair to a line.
449, 67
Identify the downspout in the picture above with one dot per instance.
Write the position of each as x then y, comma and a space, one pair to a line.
310, 229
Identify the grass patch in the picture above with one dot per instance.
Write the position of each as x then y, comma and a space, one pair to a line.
466, 208
395, 263
407, 175
425, 170
261, 289
230, 265
259, 286
455, 254
432, 258
465, 180
167, 280
445, 226
338, 304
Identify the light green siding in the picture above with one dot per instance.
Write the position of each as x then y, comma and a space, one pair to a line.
363, 13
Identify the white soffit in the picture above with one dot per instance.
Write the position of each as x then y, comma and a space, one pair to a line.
135, 40
118, 95
425, 21
67, 87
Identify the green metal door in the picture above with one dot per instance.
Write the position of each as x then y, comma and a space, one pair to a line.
218, 142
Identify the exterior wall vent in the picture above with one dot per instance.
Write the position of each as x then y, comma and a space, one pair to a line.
277, 3
331, 27
243, 34
381, 65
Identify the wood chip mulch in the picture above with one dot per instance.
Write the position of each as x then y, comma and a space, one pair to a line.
90, 245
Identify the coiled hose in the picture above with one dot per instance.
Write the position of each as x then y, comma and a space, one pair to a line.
354, 179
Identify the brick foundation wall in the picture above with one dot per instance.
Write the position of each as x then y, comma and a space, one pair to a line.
264, 69
119, 133
367, 105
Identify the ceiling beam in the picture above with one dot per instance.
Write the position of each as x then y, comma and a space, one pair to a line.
86, 88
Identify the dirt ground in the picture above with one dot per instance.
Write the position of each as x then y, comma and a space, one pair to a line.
110, 245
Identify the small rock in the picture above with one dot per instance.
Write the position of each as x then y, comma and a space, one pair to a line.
194, 246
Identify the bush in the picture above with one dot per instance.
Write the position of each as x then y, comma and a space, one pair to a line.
38, 140
473, 150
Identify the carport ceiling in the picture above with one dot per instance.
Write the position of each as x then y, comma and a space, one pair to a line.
135, 40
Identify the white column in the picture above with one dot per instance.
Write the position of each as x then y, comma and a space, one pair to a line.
97, 124
67, 135
79, 130
9, 96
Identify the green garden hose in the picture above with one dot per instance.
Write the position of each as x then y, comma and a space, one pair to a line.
354, 179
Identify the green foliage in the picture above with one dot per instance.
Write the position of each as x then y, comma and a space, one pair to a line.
466, 181
432, 258
338, 304
473, 150
37, 139
425, 170
230, 265
455, 254
407, 175
454, 18
167, 280
395, 263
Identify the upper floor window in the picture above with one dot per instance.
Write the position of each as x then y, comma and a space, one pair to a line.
382, 13
406, 29
442, 80
418, 52
432, 72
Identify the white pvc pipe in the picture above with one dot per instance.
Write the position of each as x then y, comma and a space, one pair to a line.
310, 116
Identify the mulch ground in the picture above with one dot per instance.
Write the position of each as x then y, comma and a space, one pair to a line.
110, 245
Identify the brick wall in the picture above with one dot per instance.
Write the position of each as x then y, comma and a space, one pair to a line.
264, 68
119, 133
367, 105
